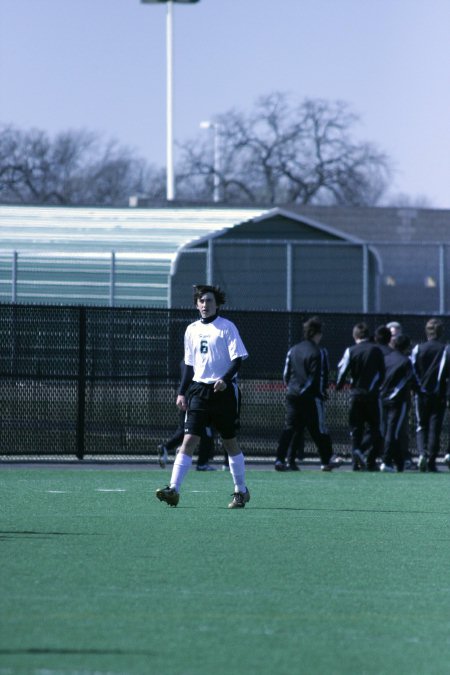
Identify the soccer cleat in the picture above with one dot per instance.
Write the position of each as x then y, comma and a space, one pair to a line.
163, 456
205, 467
239, 500
294, 467
447, 460
280, 466
386, 468
168, 495
422, 463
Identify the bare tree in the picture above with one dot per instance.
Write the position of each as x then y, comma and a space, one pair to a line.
74, 167
283, 153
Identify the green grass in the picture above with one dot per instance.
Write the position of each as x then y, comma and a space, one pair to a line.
320, 573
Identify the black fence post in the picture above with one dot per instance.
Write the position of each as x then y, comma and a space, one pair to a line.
81, 382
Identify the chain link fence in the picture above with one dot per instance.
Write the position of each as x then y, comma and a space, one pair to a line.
100, 383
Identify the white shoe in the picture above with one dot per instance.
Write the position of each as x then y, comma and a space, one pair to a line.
386, 468
447, 460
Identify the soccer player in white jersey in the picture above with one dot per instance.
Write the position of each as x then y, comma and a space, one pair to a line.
213, 352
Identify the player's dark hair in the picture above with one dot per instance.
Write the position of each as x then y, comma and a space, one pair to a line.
312, 327
382, 335
402, 343
201, 289
360, 331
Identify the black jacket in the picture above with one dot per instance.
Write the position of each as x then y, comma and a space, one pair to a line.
430, 362
398, 379
364, 362
306, 370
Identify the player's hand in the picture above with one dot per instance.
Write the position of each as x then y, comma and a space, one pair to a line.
181, 402
219, 385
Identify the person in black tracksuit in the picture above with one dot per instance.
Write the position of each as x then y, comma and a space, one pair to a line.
306, 378
430, 362
395, 395
382, 338
364, 361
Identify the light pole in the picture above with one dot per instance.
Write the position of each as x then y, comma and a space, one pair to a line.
215, 126
170, 176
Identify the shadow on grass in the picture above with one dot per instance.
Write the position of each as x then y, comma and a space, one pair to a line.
26, 534
295, 508
114, 652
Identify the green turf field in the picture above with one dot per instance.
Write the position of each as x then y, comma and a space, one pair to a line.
320, 573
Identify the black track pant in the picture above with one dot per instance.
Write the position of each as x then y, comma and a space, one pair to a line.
304, 412
366, 410
430, 412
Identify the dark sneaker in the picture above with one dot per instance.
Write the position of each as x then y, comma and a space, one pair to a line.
294, 467
168, 495
205, 467
280, 466
359, 459
334, 463
163, 456
239, 500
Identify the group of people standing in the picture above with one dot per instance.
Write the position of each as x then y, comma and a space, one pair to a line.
382, 372
384, 376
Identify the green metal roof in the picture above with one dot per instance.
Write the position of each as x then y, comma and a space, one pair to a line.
64, 253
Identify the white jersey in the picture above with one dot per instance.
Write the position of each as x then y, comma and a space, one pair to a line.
211, 347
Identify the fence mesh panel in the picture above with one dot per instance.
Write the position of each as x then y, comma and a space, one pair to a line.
101, 382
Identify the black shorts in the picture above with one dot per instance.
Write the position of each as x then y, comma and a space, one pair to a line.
208, 408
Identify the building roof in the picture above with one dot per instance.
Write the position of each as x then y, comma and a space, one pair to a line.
383, 224
90, 230
86, 236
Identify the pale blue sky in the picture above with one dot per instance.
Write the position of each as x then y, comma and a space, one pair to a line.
100, 65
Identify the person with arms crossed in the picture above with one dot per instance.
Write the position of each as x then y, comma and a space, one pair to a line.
213, 352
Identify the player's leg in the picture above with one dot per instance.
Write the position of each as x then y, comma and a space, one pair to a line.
225, 416
237, 469
195, 421
314, 412
206, 450
356, 423
183, 462
374, 419
435, 429
287, 433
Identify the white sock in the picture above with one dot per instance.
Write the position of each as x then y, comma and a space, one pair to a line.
181, 466
237, 470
